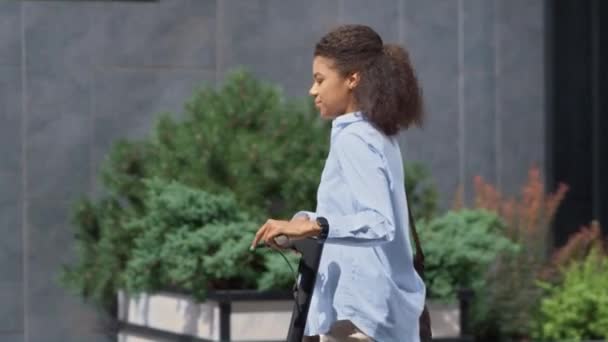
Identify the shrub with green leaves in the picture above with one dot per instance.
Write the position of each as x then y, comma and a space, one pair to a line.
577, 308
244, 137
459, 247
102, 247
195, 241
421, 191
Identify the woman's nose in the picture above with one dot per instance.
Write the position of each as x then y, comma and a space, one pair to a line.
313, 90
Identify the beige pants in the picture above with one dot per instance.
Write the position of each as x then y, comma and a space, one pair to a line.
341, 331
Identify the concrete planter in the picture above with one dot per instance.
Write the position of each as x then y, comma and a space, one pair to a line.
226, 315
230, 315
445, 319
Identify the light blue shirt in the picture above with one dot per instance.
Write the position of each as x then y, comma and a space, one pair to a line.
366, 272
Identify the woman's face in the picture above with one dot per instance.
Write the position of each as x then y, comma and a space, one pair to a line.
331, 91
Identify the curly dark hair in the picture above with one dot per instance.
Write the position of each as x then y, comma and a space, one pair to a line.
388, 92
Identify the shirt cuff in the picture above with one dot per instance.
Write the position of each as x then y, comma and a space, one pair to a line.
335, 224
309, 214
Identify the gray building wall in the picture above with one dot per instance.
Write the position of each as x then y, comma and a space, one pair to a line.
76, 75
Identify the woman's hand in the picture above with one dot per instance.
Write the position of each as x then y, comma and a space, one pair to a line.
298, 228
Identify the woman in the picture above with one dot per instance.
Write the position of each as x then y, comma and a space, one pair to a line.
366, 288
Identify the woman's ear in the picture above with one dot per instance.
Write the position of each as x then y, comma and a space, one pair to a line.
353, 80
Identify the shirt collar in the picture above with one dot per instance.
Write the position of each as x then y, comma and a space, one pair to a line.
346, 119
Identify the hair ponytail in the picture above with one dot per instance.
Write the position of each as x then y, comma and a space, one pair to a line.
402, 86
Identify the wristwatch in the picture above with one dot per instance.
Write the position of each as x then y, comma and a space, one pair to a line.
322, 222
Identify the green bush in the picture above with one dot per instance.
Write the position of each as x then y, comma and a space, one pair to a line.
459, 247
243, 137
102, 248
577, 308
421, 191
194, 241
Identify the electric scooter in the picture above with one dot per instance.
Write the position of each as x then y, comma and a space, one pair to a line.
310, 251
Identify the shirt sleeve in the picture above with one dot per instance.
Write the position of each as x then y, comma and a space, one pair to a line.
367, 176
308, 214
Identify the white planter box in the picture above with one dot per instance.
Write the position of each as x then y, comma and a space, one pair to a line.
249, 320
445, 319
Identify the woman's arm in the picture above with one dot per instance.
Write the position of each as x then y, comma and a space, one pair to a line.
368, 179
